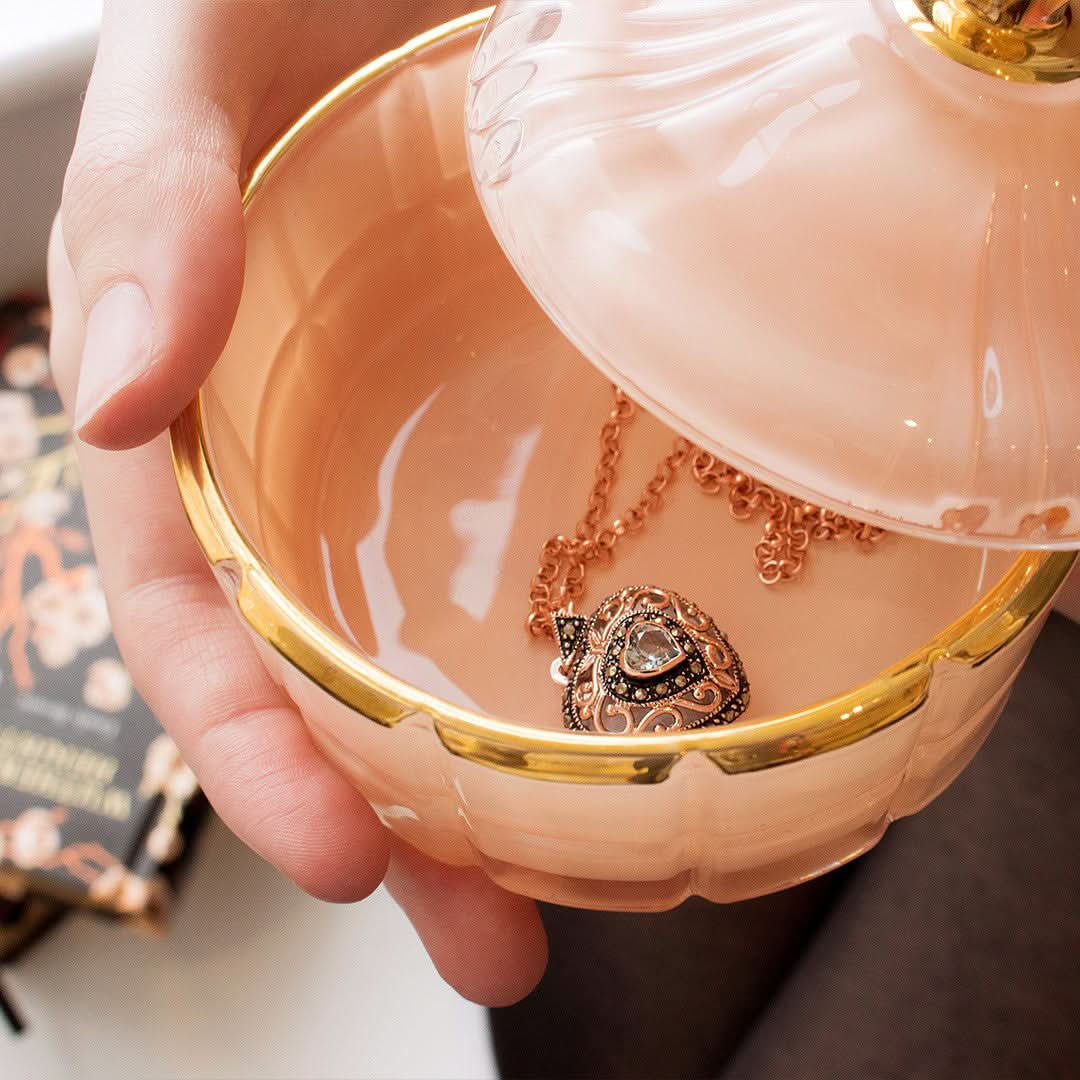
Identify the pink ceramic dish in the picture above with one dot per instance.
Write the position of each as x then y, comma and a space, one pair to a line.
392, 432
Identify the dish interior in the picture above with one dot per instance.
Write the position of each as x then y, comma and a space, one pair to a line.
398, 428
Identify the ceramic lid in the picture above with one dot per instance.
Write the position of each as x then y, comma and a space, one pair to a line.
808, 238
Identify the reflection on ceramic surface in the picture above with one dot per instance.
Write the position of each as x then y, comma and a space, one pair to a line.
808, 240
446, 429
396, 428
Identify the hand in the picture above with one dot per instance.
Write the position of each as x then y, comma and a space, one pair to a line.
145, 271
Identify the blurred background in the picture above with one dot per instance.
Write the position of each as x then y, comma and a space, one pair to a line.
251, 978
246, 977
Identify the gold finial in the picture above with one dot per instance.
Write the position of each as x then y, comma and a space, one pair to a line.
1018, 40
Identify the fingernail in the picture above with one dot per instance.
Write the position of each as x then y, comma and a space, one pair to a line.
117, 349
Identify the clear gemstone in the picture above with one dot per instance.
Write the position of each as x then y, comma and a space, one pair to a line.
650, 649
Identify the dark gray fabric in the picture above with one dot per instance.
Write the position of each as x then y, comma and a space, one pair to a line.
650, 996
956, 953
951, 952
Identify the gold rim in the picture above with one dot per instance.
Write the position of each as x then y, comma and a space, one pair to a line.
1019, 598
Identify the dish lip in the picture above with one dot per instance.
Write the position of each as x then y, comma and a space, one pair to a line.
271, 612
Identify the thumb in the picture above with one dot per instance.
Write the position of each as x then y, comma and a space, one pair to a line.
152, 220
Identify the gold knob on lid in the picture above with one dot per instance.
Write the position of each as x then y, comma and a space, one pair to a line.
1017, 40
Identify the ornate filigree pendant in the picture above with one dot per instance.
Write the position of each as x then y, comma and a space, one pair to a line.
647, 661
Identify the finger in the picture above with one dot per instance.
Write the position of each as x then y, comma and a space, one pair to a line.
152, 217
198, 671
199, 674
183, 93
487, 943
255, 758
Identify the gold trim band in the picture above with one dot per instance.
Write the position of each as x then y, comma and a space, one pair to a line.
559, 755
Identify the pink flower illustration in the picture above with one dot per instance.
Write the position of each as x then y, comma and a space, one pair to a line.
34, 839
108, 686
11, 479
123, 891
26, 366
68, 614
107, 885
161, 761
164, 844
181, 784
45, 508
19, 440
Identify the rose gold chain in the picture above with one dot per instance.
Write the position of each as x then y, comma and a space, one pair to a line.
791, 524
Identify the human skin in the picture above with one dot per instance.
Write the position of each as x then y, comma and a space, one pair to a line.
184, 94
145, 271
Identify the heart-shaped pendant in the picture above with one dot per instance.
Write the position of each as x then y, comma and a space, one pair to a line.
646, 661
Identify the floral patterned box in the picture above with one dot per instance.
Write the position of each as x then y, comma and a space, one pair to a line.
95, 802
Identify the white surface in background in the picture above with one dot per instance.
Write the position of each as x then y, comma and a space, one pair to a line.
45, 48
256, 980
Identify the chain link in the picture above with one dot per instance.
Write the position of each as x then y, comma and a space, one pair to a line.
791, 524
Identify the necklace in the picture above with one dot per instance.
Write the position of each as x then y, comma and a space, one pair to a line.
649, 660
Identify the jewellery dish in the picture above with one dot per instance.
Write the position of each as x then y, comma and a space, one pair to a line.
394, 430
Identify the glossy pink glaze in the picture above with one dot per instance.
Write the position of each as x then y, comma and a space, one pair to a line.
808, 240
397, 428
